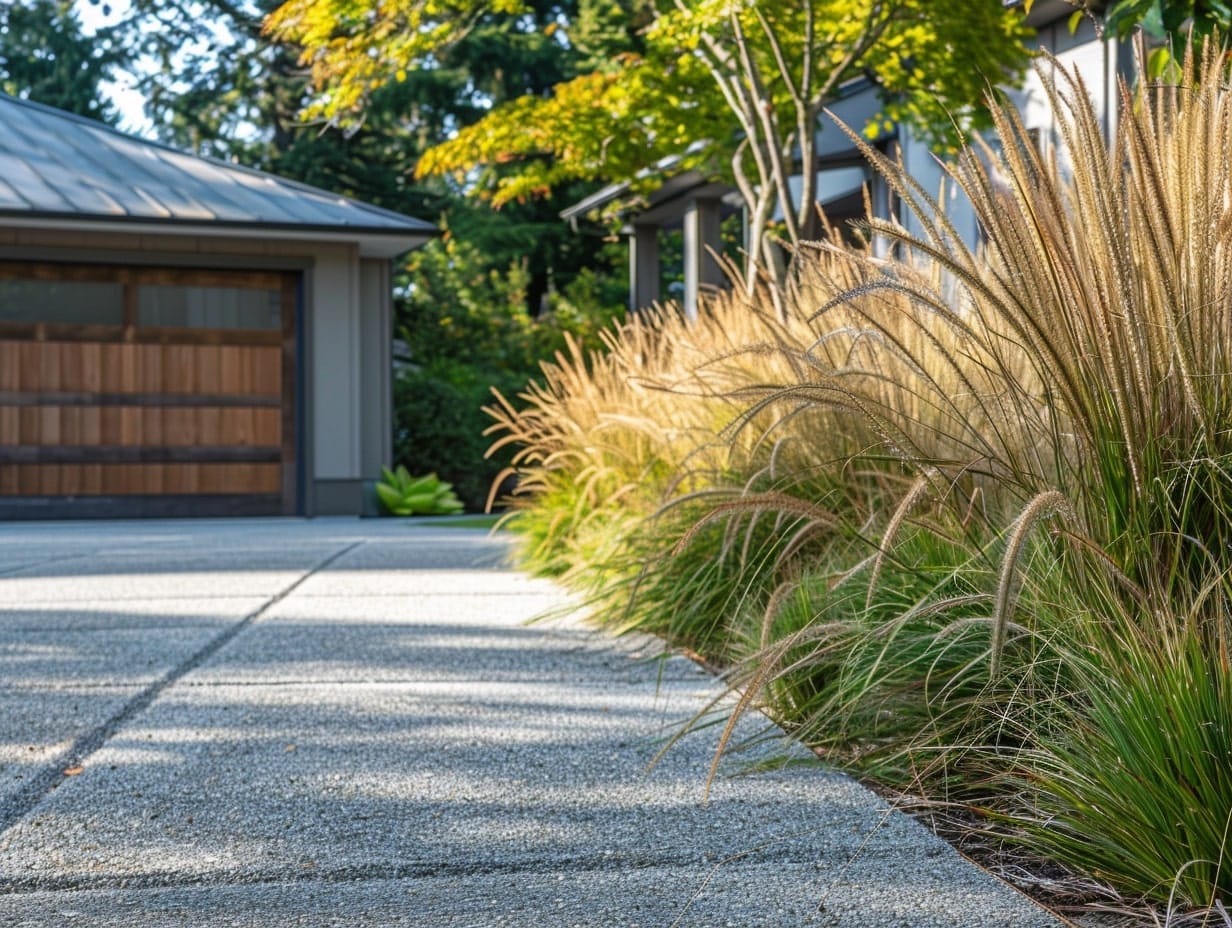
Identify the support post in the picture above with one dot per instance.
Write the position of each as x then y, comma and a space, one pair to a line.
702, 241
644, 272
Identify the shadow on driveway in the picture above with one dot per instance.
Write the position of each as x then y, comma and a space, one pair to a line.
295, 723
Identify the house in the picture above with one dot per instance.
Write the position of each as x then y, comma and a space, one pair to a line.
696, 204
181, 336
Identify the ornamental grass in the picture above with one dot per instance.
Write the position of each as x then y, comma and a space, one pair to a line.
957, 516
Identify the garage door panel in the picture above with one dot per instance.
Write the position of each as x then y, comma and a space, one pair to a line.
28, 429
134, 407
207, 361
138, 479
207, 426
91, 425
70, 425
152, 429
29, 366
230, 366
29, 481
109, 426
111, 359
149, 376
179, 429
180, 426
70, 365
10, 367
72, 480
10, 425
49, 425
52, 369
131, 432
178, 368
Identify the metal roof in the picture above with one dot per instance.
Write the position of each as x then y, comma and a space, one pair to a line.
58, 166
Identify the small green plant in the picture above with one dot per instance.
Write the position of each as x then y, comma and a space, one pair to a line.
404, 495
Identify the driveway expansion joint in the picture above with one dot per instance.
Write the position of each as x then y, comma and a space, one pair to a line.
378, 873
44, 780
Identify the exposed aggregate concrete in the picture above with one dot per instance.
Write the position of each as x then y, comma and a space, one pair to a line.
342, 722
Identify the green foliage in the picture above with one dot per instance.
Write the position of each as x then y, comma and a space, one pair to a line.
461, 309
1171, 25
404, 495
483, 56
344, 35
729, 90
439, 423
45, 57
1169, 19
468, 331
598, 126
1136, 789
692, 74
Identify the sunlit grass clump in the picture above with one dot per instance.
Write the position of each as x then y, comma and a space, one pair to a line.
959, 517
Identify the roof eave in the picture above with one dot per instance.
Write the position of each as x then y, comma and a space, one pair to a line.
372, 242
596, 200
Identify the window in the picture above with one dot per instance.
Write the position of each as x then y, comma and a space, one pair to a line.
144, 304
193, 307
81, 302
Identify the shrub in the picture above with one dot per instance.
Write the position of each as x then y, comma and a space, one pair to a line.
468, 332
439, 424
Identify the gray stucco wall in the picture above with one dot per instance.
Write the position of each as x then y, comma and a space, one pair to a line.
334, 383
375, 366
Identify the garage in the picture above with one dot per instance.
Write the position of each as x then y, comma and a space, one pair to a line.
149, 391
185, 337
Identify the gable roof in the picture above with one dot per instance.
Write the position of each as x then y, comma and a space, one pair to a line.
62, 168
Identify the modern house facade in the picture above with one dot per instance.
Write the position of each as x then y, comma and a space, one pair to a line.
181, 336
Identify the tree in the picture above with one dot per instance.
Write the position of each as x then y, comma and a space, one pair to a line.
45, 57
733, 88
500, 52
220, 87
1169, 19
776, 66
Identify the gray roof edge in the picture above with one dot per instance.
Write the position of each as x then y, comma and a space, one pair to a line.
410, 222
378, 242
29, 217
599, 198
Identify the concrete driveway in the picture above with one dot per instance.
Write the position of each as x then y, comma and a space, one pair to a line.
343, 722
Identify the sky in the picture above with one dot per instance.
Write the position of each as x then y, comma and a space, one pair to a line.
122, 92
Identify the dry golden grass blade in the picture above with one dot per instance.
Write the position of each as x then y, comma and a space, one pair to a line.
918, 491
1048, 503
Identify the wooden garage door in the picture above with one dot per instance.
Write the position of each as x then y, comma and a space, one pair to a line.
146, 391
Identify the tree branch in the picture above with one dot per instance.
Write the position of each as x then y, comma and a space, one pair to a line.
776, 49
766, 114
